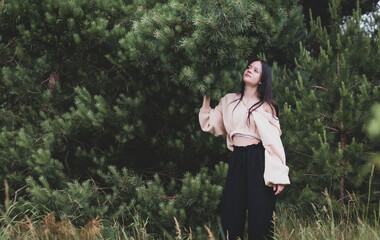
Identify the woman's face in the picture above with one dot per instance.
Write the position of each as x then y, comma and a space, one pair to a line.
252, 74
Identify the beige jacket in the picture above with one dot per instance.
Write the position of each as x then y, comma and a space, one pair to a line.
223, 120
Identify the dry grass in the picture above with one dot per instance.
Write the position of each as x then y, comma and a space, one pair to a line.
290, 223
49, 228
323, 224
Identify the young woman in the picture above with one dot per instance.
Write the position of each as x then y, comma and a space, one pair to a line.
257, 169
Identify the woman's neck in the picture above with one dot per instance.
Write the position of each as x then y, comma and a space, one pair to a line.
251, 93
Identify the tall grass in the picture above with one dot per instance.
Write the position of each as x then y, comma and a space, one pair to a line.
351, 223
323, 224
290, 223
354, 222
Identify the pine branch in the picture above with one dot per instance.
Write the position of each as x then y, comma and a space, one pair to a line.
325, 79
17, 191
356, 84
323, 88
10, 42
333, 129
13, 58
303, 154
316, 175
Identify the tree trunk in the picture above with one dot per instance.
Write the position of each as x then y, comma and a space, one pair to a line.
342, 163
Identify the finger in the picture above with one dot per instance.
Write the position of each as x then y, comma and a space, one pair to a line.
279, 189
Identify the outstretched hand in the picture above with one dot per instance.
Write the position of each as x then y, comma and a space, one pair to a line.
278, 188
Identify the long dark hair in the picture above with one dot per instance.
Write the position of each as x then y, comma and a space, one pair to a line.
265, 90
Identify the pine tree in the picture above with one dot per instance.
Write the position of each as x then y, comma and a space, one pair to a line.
188, 48
48, 49
327, 101
87, 87
95, 83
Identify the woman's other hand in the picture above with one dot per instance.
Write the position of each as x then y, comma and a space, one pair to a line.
278, 188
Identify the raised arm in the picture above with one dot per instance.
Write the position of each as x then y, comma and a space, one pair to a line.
211, 119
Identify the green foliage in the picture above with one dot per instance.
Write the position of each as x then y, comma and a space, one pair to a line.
21, 156
203, 40
193, 201
99, 102
325, 105
78, 202
89, 84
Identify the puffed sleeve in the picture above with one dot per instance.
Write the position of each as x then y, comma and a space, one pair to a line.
211, 119
276, 171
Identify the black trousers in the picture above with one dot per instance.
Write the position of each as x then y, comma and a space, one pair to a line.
245, 189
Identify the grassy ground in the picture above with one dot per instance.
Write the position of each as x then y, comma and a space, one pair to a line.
352, 221
289, 224
321, 225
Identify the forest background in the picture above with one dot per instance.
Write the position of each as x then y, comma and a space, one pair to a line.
99, 103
